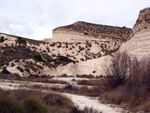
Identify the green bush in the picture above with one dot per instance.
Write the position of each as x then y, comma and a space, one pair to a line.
21, 41
8, 105
20, 69
2, 39
5, 71
34, 105
38, 57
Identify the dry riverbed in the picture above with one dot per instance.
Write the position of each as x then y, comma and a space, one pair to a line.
80, 101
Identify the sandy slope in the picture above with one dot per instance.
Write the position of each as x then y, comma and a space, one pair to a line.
138, 45
86, 67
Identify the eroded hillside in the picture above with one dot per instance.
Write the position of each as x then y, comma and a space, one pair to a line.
27, 57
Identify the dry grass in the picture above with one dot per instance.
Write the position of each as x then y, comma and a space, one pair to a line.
91, 82
42, 79
59, 103
128, 86
32, 101
146, 106
35, 105
93, 92
115, 97
85, 110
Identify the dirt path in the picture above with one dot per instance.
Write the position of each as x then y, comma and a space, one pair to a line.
84, 101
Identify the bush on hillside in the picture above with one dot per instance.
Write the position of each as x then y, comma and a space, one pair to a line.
5, 71
21, 41
38, 57
2, 39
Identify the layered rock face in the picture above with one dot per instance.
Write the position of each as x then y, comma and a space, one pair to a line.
139, 44
83, 31
143, 21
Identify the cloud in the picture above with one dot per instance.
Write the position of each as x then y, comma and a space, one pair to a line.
37, 18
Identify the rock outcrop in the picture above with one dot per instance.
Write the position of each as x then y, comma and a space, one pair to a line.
83, 31
139, 44
143, 21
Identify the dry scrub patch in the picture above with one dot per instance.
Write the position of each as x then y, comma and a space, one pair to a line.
91, 82
128, 83
42, 79
32, 101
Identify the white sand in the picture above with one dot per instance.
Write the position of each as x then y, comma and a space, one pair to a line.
83, 101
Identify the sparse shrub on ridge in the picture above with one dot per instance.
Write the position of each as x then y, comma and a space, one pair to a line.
2, 39
21, 41
5, 71
20, 69
38, 57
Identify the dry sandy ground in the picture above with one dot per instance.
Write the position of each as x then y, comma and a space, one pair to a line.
84, 101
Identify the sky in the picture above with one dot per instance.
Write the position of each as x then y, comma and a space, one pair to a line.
35, 19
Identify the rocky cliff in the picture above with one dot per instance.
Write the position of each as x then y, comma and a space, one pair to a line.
88, 31
139, 44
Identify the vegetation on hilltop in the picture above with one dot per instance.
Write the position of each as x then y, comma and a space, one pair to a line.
2, 39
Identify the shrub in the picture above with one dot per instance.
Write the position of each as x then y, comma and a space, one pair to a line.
5, 71
20, 69
146, 106
58, 100
8, 105
90, 82
2, 39
21, 41
82, 59
48, 49
115, 97
120, 68
85, 110
83, 82
129, 81
12, 64
38, 57
53, 44
34, 105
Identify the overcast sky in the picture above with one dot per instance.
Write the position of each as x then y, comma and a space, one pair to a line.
35, 19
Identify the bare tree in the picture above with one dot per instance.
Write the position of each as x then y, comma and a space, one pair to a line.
121, 66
